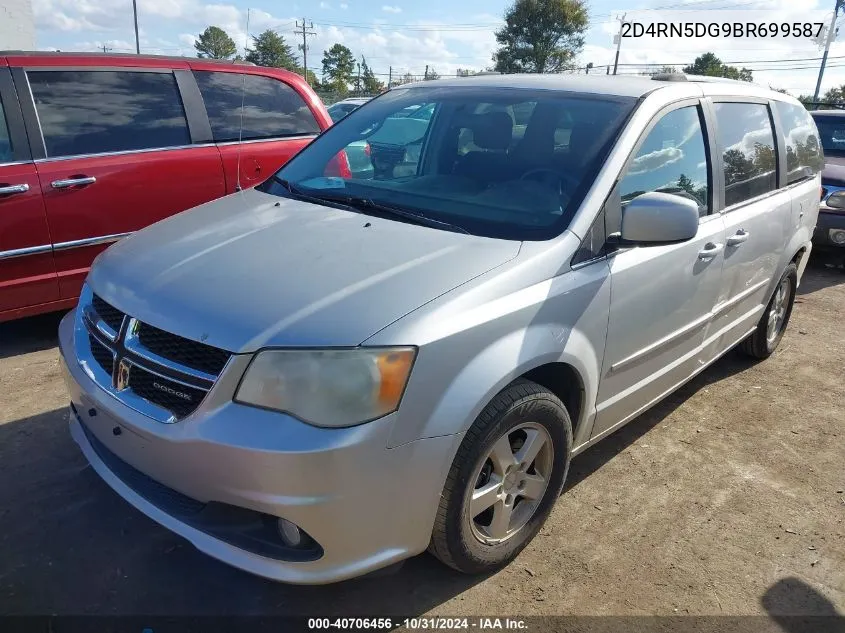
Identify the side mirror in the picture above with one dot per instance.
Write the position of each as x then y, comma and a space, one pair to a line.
659, 218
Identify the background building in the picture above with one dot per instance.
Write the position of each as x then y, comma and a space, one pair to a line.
17, 25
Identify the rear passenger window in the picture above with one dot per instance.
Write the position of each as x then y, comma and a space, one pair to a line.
272, 109
748, 150
91, 112
5, 139
804, 158
672, 159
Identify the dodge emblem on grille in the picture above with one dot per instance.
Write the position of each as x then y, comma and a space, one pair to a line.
121, 380
172, 391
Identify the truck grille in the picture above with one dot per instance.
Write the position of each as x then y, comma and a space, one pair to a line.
154, 367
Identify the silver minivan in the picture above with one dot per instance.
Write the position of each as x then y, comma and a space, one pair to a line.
325, 375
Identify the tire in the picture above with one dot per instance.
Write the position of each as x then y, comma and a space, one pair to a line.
760, 344
523, 412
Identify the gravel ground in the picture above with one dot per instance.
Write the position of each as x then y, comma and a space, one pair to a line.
727, 498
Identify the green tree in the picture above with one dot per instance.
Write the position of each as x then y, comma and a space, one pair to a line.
311, 78
541, 36
432, 74
371, 84
270, 49
215, 43
835, 95
338, 68
710, 65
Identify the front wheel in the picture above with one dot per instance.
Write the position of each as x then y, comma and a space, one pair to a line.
505, 479
764, 340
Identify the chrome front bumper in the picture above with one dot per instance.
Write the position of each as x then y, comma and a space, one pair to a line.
366, 506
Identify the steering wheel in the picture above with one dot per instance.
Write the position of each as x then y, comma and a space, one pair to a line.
551, 177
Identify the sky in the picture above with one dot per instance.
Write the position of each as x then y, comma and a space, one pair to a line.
398, 36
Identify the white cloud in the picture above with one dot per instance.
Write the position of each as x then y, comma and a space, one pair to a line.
432, 43
655, 160
344, 6
325, 5
391, 9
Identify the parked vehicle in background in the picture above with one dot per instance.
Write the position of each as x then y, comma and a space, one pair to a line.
409, 360
402, 132
94, 147
829, 236
342, 108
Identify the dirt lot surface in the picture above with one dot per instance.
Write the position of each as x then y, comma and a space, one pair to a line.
727, 498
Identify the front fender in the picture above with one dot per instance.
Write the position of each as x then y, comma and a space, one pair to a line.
470, 350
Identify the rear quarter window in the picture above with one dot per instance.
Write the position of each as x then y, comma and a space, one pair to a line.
804, 157
271, 108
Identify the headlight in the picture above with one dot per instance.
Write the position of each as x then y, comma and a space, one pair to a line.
836, 200
328, 387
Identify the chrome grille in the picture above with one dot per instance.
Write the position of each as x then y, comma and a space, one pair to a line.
199, 356
111, 315
160, 374
102, 354
179, 398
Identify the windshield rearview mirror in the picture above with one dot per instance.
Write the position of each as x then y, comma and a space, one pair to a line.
659, 218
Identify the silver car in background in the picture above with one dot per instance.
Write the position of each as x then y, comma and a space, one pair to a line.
325, 375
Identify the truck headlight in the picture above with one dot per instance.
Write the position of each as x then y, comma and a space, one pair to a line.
836, 200
334, 388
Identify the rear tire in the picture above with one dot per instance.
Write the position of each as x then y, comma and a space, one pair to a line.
766, 338
509, 471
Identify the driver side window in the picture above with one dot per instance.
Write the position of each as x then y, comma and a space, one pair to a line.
672, 159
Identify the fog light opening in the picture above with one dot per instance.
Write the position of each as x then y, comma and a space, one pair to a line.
837, 236
290, 533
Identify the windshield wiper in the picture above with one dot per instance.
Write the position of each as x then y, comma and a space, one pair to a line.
368, 204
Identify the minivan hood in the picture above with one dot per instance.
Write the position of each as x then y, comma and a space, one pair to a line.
252, 270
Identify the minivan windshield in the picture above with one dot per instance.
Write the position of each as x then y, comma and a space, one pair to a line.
498, 162
832, 133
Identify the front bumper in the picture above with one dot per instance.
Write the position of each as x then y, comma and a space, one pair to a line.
367, 506
828, 224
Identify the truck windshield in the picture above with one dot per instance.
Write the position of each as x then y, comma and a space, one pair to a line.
498, 162
832, 133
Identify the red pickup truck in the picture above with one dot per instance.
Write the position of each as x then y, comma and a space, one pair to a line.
94, 147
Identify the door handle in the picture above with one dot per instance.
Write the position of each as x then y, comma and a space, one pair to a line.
710, 251
738, 238
10, 189
73, 182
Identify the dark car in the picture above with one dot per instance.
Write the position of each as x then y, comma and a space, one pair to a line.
829, 235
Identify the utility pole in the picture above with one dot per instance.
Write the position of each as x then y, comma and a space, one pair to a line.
135, 13
105, 48
831, 33
618, 42
305, 30
425, 76
389, 77
358, 82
